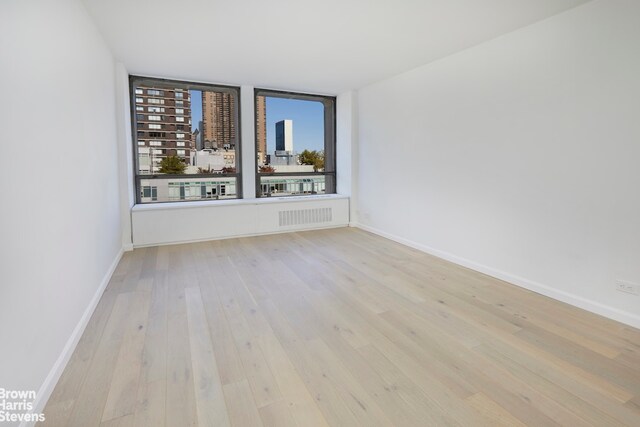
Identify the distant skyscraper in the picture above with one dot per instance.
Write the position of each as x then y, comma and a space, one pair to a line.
218, 120
284, 135
261, 128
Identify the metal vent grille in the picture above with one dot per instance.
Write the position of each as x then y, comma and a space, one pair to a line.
305, 216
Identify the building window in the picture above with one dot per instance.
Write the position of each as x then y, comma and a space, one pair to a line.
139, 91
295, 143
202, 162
149, 192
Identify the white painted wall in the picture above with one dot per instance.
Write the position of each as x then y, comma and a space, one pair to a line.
518, 157
346, 147
156, 224
60, 223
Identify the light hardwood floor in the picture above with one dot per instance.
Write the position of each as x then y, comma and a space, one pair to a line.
342, 328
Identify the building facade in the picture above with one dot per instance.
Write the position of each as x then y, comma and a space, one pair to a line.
218, 120
163, 120
261, 129
284, 136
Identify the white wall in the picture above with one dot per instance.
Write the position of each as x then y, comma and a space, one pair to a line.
60, 222
519, 157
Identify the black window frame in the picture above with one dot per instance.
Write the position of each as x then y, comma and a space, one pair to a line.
329, 103
134, 81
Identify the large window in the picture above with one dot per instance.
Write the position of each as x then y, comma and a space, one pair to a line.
199, 132
295, 144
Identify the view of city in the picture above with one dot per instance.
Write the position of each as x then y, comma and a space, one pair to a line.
195, 132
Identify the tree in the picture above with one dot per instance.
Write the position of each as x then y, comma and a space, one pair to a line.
314, 158
266, 169
172, 165
205, 170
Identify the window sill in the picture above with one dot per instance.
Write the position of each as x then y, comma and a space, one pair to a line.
233, 202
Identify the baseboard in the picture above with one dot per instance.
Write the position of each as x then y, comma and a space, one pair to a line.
58, 368
236, 236
613, 313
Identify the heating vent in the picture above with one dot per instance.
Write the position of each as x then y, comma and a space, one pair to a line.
305, 216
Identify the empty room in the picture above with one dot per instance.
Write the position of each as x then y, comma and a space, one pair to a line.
320, 213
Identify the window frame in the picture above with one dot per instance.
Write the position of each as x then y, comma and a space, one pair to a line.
134, 81
330, 136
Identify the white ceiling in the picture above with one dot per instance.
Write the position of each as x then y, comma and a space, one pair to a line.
324, 46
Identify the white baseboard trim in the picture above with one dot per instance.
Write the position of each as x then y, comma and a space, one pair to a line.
236, 236
58, 368
622, 316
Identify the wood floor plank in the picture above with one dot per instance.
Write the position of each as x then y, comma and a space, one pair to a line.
337, 327
242, 407
210, 403
122, 397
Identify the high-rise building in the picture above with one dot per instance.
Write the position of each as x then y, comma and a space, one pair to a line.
261, 128
163, 117
284, 135
218, 120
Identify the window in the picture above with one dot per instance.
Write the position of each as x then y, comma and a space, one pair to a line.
197, 162
139, 92
295, 144
150, 193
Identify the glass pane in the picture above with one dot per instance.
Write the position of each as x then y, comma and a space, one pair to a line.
181, 189
276, 186
290, 135
196, 130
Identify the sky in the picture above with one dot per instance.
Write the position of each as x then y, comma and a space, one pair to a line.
308, 122
307, 116
196, 108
